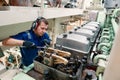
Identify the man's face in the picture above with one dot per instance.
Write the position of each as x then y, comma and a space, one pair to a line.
41, 29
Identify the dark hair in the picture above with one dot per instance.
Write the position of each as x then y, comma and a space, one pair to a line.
38, 21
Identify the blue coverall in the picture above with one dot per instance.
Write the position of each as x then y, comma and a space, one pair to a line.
29, 54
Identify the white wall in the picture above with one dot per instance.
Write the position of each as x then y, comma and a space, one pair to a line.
86, 4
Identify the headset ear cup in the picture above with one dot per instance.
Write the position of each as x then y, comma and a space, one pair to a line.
34, 25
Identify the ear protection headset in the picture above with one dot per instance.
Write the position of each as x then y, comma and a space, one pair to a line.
35, 23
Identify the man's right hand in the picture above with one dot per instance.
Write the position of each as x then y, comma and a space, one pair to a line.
28, 44
47, 42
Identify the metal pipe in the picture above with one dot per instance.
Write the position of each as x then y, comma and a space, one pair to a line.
108, 45
112, 71
100, 77
100, 56
105, 38
42, 8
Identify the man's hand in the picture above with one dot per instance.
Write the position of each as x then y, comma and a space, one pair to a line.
28, 44
47, 42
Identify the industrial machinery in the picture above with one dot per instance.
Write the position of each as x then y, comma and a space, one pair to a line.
58, 67
97, 37
79, 54
76, 54
68, 60
11, 58
80, 42
109, 31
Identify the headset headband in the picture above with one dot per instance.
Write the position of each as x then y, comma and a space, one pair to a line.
35, 23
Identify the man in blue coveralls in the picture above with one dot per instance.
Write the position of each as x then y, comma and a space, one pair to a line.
28, 40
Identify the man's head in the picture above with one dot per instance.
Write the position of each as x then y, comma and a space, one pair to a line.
40, 26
